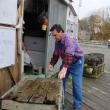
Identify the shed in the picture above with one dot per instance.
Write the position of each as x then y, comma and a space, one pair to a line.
32, 39
39, 43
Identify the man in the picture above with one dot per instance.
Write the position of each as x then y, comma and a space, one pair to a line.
72, 62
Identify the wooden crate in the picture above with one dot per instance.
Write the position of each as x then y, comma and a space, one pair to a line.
94, 72
94, 59
34, 94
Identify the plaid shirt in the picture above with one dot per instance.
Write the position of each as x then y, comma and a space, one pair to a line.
69, 51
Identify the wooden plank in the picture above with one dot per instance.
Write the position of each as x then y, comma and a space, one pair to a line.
69, 105
92, 105
93, 101
22, 85
5, 81
69, 101
16, 69
84, 106
98, 87
12, 105
35, 90
26, 93
98, 90
102, 83
9, 104
18, 88
37, 99
97, 95
89, 103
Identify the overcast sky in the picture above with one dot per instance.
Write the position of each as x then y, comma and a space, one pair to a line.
88, 6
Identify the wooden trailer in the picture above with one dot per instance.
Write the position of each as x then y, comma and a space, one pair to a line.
34, 94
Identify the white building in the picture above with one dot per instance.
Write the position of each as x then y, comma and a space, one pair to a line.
72, 20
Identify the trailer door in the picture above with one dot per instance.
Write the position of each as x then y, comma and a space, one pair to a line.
57, 14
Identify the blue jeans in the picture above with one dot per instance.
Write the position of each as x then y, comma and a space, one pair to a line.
76, 71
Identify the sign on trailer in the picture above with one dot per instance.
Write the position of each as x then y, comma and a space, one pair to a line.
7, 46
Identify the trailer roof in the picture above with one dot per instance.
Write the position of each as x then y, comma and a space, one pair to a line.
69, 3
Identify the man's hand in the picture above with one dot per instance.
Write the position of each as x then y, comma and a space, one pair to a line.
62, 73
50, 68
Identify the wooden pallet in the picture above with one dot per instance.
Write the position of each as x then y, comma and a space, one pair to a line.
34, 94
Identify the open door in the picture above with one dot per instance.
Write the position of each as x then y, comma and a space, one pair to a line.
34, 37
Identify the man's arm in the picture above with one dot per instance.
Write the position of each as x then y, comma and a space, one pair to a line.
54, 59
